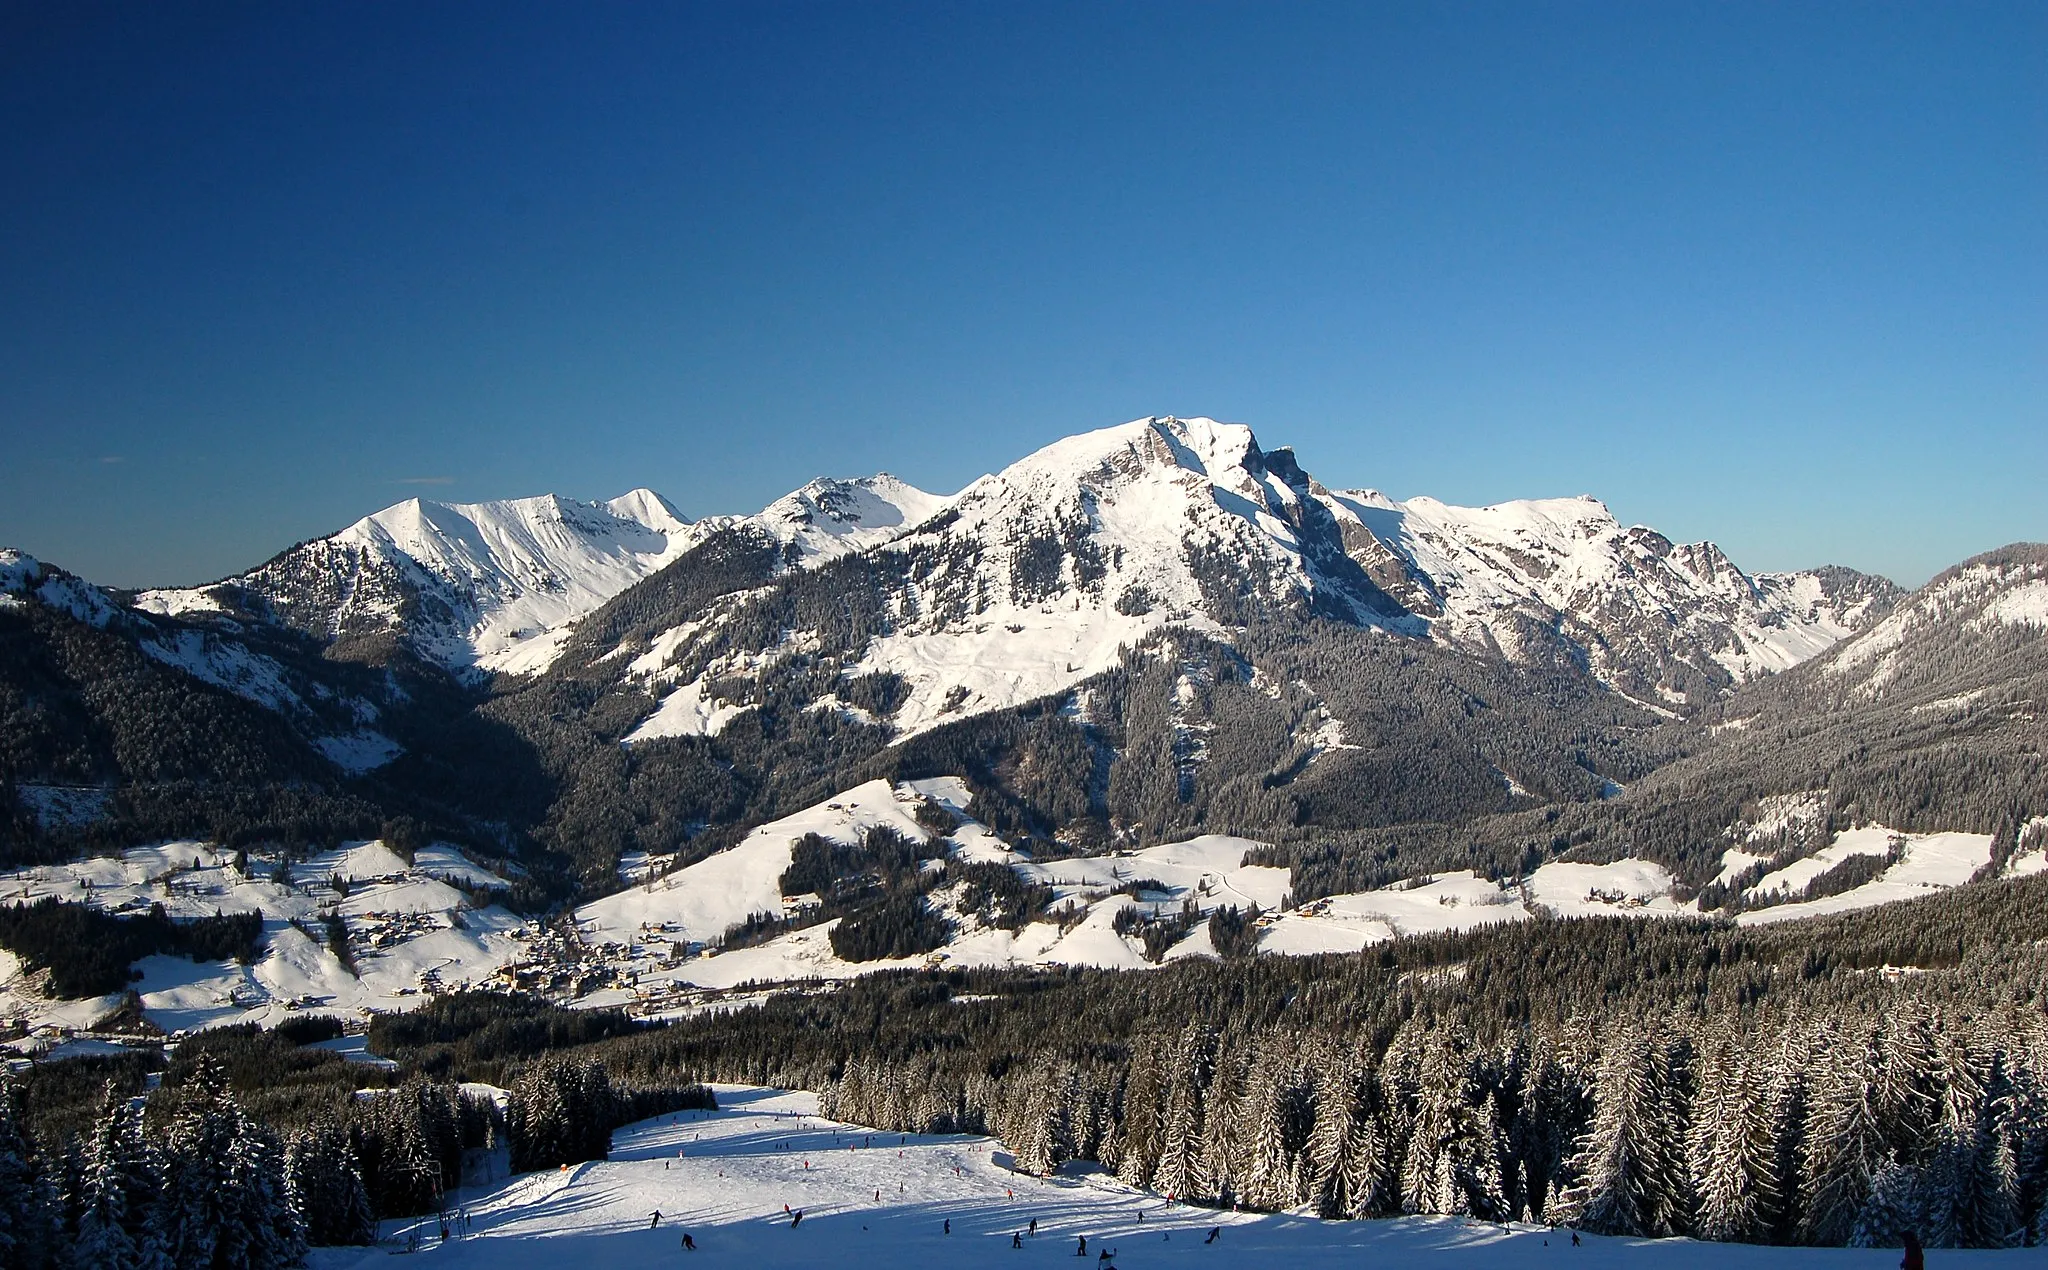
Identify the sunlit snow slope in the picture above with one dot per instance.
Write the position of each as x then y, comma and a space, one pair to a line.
730, 1180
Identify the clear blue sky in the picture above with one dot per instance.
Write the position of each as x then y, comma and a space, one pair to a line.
1775, 275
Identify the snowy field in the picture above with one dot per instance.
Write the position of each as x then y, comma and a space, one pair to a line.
413, 931
872, 1199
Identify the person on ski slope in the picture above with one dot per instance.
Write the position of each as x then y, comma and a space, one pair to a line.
1914, 1259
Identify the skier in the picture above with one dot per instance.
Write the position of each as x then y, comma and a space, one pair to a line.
1575, 1239
657, 1220
949, 1225
1034, 1225
689, 1244
1213, 1232
1016, 1240
1914, 1259
796, 1219
1082, 1251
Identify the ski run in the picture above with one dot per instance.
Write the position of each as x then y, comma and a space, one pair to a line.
733, 1180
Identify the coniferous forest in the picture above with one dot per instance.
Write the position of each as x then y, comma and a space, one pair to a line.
1825, 1083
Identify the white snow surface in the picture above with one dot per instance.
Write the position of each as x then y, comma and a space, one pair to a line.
829, 518
1492, 573
871, 1199
707, 898
1932, 862
687, 712
404, 921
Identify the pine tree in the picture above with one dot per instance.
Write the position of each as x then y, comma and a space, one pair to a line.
1370, 1187
1731, 1148
1788, 1110
1272, 1122
1452, 1164
117, 1193
1180, 1173
1331, 1138
226, 1206
1631, 1156
30, 1217
326, 1184
1846, 1146
1141, 1115
1223, 1113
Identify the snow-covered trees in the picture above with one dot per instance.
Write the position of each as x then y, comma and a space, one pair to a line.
1632, 1163
30, 1233
1180, 1172
1732, 1147
325, 1181
120, 1178
225, 1203
560, 1113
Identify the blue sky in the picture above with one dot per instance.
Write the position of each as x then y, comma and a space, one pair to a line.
1775, 275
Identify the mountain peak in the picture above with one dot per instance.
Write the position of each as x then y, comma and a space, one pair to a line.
831, 516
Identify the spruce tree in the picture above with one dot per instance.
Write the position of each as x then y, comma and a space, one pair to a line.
326, 1183
118, 1192
31, 1219
1846, 1145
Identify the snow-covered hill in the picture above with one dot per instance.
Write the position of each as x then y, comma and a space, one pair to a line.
412, 929
1986, 617
731, 1180
655, 947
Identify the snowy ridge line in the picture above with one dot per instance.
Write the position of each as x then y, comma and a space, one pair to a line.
1039, 576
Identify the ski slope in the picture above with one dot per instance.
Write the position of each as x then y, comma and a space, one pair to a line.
873, 1199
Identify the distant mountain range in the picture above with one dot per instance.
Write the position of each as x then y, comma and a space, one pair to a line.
1154, 629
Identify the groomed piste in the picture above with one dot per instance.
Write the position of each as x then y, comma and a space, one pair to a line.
734, 1179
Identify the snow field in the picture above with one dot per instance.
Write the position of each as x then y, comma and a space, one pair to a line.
426, 926
725, 1176
1932, 862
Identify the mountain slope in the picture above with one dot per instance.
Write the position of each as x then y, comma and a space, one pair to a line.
1160, 628
1668, 623
1033, 579
469, 585
1926, 723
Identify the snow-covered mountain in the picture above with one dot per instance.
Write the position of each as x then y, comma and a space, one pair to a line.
1561, 578
1969, 621
1035, 578
469, 584
497, 586
829, 518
